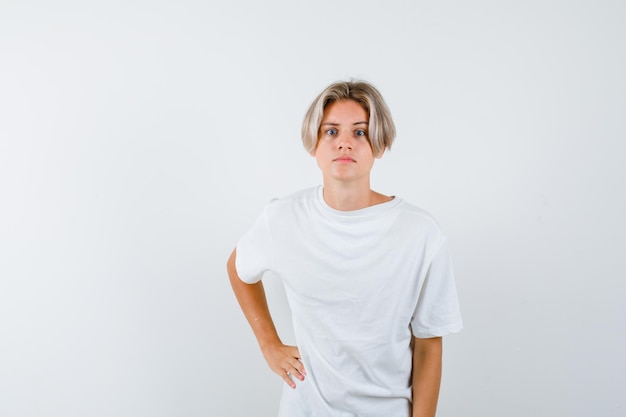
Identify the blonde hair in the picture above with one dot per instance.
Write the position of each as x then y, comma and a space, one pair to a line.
381, 129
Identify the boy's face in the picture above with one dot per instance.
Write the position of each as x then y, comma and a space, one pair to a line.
343, 150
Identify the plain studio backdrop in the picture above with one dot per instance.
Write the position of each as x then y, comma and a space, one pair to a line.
139, 140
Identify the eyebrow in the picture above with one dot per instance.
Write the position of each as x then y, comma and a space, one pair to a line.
337, 124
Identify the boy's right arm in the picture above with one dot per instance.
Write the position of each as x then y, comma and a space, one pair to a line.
284, 360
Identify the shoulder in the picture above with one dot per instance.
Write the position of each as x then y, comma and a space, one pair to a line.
414, 217
306, 196
417, 213
297, 203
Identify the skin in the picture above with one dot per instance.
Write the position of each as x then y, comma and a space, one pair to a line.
427, 354
343, 134
284, 360
344, 155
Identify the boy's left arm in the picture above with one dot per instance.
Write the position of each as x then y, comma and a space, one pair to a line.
426, 377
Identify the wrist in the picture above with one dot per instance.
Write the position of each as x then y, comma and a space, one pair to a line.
269, 344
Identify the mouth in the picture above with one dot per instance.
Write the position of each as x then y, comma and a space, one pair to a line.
344, 159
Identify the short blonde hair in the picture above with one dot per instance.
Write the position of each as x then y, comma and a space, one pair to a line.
381, 129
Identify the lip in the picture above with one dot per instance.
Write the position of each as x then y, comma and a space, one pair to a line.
344, 159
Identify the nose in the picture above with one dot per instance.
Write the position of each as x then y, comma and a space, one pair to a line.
345, 141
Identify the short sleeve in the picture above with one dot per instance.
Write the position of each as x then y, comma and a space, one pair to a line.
254, 251
437, 312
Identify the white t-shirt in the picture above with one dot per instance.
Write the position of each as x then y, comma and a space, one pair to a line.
360, 285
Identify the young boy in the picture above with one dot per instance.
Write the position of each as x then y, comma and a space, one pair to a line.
368, 277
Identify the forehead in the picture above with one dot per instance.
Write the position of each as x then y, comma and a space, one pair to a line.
346, 111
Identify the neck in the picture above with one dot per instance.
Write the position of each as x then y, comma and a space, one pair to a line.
349, 197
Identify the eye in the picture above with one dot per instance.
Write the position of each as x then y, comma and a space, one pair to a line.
331, 132
360, 132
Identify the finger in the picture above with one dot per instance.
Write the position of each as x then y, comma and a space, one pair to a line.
295, 373
288, 380
298, 369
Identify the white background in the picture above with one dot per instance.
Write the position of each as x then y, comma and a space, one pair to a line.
139, 140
